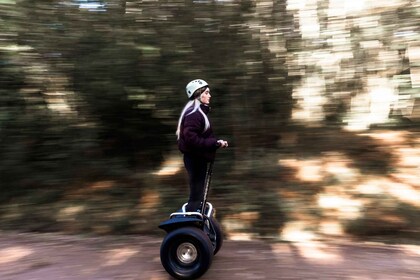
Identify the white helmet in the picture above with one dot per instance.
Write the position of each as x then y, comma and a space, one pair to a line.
194, 85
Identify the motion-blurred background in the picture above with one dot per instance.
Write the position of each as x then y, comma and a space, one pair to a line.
319, 100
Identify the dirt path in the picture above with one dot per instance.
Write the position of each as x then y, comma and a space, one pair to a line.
54, 257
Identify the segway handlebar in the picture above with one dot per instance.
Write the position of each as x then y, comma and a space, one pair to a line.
207, 185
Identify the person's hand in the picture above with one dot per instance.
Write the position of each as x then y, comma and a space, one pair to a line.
222, 143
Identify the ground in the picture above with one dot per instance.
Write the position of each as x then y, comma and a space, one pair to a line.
28, 256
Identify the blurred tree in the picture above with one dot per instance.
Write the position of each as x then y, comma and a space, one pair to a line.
93, 89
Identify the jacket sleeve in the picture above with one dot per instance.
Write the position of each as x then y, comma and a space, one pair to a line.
193, 135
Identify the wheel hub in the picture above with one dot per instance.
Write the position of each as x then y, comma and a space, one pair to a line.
186, 253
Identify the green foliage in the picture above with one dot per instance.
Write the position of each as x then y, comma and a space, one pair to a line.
382, 219
93, 94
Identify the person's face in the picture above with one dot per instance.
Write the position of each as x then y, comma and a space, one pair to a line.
205, 96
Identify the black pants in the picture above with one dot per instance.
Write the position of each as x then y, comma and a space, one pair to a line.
197, 169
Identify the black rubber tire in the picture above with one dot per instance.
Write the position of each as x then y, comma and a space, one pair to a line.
219, 235
175, 253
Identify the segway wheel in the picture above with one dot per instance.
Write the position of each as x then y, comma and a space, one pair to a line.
186, 253
218, 234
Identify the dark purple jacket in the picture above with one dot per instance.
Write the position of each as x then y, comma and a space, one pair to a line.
193, 140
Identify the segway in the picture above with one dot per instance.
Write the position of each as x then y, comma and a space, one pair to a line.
192, 239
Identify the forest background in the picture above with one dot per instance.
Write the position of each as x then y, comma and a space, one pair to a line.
319, 100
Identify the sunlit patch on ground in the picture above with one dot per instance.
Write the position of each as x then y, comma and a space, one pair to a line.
149, 202
92, 188
297, 231
402, 192
102, 185
345, 206
389, 137
170, 166
348, 194
337, 164
70, 213
310, 171
409, 157
331, 227
405, 177
307, 170
119, 256
412, 250
369, 188
13, 254
316, 169
408, 176
241, 236
318, 252
239, 226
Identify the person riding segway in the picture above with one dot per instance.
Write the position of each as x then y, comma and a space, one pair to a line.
194, 235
